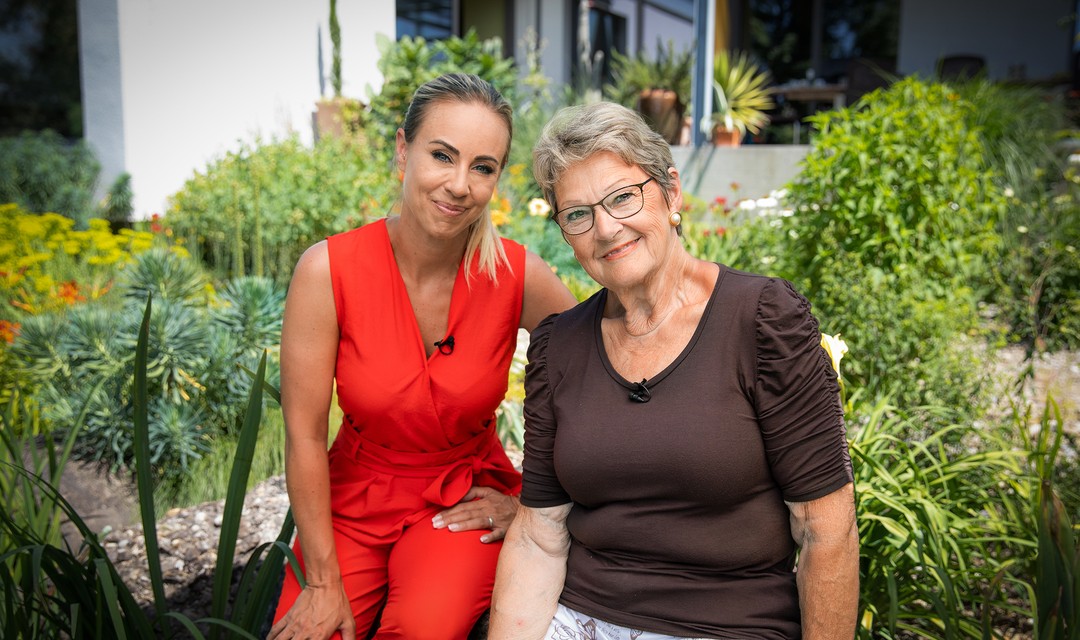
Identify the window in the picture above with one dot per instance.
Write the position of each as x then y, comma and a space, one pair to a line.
430, 19
607, 33
795, 38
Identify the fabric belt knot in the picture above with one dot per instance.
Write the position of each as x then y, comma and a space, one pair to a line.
452, 470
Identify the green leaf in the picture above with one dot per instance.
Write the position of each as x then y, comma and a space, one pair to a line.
143, 479
234, 499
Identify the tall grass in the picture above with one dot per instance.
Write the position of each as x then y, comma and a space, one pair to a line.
943, 525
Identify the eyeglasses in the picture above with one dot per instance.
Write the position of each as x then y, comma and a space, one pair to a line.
620, 204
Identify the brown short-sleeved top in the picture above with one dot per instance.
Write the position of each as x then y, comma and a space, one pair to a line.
678, 522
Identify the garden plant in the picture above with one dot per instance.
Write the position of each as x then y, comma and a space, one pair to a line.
931, 224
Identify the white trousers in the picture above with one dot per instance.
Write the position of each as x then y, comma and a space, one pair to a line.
571, 625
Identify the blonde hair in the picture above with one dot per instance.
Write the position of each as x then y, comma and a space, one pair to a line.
578, 132
467, 88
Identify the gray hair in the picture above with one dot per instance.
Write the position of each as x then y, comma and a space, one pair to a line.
577, 133
469, 89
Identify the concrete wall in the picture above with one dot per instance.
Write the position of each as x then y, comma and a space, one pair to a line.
1006, 33
102, 91
189, 80
708, 172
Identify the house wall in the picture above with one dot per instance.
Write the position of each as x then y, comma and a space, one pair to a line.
102, 92
749, 171
551, 22
1034, 33
189, 80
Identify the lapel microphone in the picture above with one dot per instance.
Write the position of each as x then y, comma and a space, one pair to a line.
446, 345
640, 393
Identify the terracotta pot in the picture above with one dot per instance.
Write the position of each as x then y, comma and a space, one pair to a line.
331, 114
328, 119
726, 137
663, 111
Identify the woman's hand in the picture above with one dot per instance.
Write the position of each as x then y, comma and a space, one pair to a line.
481, 508
318, 612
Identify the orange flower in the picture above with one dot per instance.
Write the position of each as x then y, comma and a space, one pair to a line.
8, 330
69, 293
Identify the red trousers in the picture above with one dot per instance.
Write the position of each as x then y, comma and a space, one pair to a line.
429, 583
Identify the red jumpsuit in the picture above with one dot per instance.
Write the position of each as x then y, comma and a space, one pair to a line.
418, 432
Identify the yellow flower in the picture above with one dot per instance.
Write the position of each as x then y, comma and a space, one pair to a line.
836, 348
499, 217
539, 207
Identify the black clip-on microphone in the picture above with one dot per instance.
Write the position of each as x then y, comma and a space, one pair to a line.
446, 345
641, 393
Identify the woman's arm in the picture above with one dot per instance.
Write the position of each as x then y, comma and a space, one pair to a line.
532, 569
544, 295
828, 568
309, 338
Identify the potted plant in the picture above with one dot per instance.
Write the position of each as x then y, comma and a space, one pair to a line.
741, 89
336, 116
659, 88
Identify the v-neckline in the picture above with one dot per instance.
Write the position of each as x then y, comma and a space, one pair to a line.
451, 310
598, 338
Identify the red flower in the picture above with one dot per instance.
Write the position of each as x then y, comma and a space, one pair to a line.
720, 231
707, 233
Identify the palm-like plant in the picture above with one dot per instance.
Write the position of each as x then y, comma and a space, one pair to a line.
742, 94
658, 88
667, 70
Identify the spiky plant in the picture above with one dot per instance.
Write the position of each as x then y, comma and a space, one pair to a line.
251, 309
166, 274
742, 93
667, 69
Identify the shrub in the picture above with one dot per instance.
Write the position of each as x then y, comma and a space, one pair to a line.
893, 236
46, 265
1038, 279
117, 206
904, 179
255, 210
42, 172
84, 357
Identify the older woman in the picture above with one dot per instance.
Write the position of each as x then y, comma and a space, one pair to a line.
684, 438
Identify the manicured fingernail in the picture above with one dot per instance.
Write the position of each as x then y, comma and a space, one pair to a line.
454, 527
485, 539
437, 522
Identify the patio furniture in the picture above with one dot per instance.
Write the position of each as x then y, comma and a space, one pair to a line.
960, 66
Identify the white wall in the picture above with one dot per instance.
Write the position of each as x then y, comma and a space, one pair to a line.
197, 77
1005, 32
102, 94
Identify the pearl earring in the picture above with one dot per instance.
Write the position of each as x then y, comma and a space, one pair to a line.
675, 218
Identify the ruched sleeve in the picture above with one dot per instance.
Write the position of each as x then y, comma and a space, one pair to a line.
797, 398
540, 486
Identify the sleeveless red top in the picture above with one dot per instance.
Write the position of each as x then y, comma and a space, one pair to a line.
407, 413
